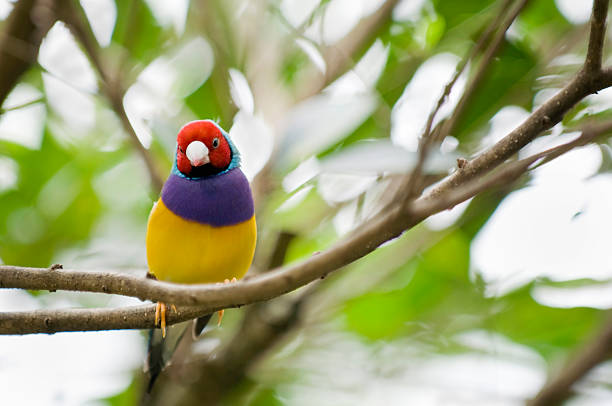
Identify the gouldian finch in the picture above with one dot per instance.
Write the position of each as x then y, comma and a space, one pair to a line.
202, 229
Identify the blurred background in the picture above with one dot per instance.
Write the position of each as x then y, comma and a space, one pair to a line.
326, 100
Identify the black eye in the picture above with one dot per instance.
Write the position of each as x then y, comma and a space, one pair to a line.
215, 143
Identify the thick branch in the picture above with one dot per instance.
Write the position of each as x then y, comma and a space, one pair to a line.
596, 351
378, 230
204, 299
211, 297
56, 320
20, 40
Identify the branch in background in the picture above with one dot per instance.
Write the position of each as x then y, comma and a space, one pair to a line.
589, 133
204, 299
413, 185
24, 29
111, 85
339, 56
277, 258
210, 18
597, 36
596, 351
507, 173
450, 125
545, 117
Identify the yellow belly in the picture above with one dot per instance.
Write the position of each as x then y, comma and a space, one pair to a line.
185, 251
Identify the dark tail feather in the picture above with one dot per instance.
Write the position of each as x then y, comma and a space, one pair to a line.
199, 324
161, 350
155, 361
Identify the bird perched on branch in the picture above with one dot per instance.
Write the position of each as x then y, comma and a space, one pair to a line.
202, 229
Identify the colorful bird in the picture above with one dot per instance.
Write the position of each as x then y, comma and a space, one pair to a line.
202, 229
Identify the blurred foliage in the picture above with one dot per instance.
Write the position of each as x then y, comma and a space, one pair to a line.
77, 193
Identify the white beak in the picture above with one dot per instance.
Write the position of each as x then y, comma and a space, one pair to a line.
197, 153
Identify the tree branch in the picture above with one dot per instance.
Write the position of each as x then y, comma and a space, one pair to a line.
110, 85
57, 320
24, 29
597, 36
383, 227
596, 351
544, 118
210, 298
449, 126
339, 56
412, 185
204, 299
549, 114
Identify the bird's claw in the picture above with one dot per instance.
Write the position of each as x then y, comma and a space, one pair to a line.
160, 316
220, 312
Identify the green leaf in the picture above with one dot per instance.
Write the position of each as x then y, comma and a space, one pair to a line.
550, 331
129, 397
542, 20
435, 31
137, 31
439, 283
457, 12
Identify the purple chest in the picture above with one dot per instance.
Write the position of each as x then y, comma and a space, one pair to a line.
220, 200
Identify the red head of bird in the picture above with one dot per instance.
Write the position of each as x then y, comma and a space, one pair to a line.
202, 149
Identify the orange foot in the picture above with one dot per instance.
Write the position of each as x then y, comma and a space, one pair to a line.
220, 312
160, 316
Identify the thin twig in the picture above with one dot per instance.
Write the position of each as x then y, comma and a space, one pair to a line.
410, 188
450, 125
22, 105
545, 117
